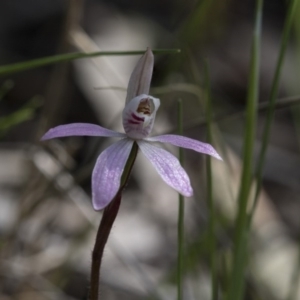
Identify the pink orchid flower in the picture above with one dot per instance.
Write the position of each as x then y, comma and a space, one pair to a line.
138, 119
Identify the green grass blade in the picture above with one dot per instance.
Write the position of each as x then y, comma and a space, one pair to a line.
236, 285
180, 229
23, 114
35, 63
5, 88
272, 100
296, 110
211, 206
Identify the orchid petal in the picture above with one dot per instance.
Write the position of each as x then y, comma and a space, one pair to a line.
184, 142
168, 167
80, 129
139, 115
140, 79
107, 172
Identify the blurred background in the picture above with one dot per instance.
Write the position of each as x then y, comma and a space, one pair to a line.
47, 223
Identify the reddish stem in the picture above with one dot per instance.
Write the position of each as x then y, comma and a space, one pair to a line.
108, 218
107, 221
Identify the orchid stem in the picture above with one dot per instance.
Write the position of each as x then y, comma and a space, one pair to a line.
109, 216
107, 221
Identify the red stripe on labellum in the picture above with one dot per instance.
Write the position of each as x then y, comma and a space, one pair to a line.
137, 118
134, 122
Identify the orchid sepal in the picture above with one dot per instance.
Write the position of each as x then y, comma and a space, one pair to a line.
187, 143
107, 173
80, 129
140, 79
168, 167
